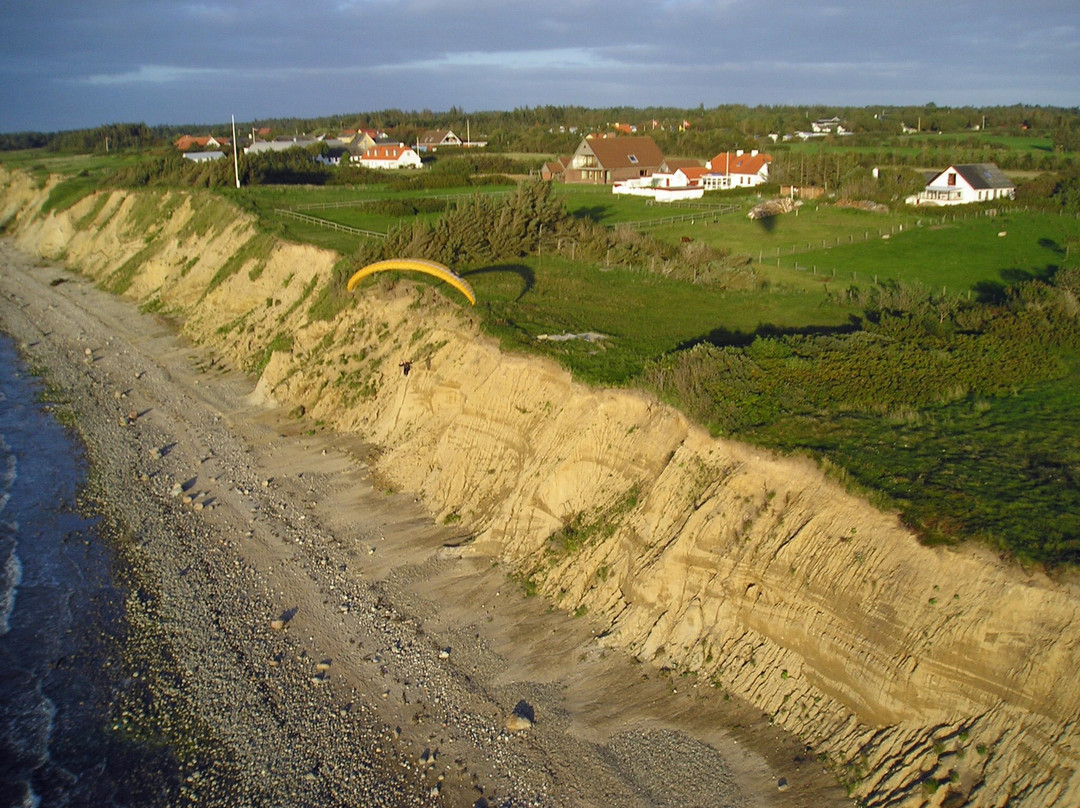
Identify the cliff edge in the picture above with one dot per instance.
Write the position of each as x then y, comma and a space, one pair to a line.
927, 676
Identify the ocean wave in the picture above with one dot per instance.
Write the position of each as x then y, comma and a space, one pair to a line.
11, 570
10, 578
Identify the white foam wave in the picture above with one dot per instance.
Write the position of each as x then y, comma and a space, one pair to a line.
8, 472
10, 579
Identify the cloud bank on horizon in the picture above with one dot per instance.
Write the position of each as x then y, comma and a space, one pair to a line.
68, 64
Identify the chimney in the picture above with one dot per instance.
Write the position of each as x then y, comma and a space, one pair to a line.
738, 152
753, 152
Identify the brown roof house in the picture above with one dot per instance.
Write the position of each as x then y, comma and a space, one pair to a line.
553, 169
603, 161
432, 139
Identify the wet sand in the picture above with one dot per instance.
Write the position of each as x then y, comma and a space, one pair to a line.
326, 644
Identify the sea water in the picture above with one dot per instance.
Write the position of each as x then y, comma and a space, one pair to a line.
61, 625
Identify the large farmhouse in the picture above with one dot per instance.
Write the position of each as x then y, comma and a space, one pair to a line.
963, 184
607, 160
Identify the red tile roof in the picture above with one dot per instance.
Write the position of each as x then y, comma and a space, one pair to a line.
735, 163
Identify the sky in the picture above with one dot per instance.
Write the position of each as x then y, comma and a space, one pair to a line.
72, 64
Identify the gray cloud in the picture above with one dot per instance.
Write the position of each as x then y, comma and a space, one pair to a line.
71, 63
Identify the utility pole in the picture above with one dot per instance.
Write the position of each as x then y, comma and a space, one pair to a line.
235, 159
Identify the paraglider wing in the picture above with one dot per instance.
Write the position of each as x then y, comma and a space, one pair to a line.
433, 268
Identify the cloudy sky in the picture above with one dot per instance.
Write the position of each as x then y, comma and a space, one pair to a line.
67, 64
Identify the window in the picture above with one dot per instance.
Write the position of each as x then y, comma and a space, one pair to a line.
952, 179
632, 158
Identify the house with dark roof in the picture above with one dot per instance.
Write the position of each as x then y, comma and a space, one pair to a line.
434, 138
827, 125
279, 144
606, 160
964, 184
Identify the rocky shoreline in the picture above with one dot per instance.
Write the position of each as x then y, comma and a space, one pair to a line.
305, 638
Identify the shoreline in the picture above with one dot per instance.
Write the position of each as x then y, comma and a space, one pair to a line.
397, 663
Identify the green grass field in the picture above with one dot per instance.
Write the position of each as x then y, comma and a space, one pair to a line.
642, 314
957, 253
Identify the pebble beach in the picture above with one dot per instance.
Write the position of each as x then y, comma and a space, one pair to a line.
296, 635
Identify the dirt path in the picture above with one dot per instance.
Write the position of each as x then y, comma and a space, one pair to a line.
397, 665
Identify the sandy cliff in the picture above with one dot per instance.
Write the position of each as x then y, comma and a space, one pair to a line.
928, 675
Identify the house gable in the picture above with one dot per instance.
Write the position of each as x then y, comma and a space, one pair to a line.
612, 159
434, 138
965, 183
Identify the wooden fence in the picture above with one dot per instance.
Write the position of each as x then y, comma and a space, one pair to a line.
344, 228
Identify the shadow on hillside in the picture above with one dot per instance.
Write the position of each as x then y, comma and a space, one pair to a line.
725, 338
1053, 246
596, 213
766, 223
997, 292
528, 278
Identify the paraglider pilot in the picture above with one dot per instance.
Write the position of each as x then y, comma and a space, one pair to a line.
405, 366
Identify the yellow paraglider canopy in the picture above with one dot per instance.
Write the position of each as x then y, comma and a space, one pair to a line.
433, 268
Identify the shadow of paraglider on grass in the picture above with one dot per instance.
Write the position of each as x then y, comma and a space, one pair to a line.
528, 277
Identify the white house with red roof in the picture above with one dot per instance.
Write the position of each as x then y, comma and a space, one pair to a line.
191, 142
389, 156
689, 176
736, 169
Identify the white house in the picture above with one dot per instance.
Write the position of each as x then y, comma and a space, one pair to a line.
823, 127
736, 170
827, 126
964, 184
389, 156
657, 187
203, 157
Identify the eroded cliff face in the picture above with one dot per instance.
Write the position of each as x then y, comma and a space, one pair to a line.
926, 675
